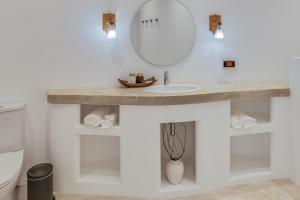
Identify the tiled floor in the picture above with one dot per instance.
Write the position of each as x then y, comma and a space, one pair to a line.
272, 190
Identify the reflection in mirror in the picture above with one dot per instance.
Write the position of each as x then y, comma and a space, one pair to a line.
163, 32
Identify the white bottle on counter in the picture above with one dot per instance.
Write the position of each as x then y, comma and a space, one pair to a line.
132, 78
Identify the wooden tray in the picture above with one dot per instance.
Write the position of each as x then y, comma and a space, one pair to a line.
147, 83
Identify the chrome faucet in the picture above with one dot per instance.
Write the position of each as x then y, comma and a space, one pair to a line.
166, 78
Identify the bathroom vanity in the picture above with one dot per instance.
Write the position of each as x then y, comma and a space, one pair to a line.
129, 160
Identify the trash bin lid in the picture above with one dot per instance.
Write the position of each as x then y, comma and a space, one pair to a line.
40, 171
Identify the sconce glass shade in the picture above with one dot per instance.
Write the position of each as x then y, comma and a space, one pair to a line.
112, 33
219, 33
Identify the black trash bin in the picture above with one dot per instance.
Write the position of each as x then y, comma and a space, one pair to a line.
40, 182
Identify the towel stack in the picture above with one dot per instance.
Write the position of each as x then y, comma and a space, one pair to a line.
109, 120
102, 117
242, 120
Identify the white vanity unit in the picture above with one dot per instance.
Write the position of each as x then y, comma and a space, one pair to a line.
129, 159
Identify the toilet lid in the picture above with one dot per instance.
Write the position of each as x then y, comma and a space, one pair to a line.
10, 165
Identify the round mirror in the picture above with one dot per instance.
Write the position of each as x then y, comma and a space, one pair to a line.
163, 32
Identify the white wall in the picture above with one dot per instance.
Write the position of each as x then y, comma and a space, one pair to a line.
55, 43
295, 113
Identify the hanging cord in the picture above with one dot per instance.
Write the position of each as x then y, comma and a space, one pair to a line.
173, 143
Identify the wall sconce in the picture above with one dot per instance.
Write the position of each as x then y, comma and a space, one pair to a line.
215, 23
109, 25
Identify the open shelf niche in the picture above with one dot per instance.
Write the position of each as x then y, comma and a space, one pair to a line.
259, 108
250, 154
87, 109
100, 159
189, 158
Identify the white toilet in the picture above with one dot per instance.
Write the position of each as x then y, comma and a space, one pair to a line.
11, 147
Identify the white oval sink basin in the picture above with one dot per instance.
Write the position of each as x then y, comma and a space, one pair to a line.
172, 89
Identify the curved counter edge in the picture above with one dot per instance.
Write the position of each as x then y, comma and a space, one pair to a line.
123, 96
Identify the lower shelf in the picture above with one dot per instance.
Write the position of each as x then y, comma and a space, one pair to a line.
99, 179
253, 175
101, 172
250, 172
249, 168
242, 163
99, 159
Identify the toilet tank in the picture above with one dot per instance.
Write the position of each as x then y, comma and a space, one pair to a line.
12, 127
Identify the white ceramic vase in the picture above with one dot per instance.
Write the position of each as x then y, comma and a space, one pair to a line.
175, 171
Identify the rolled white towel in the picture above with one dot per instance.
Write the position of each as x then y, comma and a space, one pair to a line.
94, 118
248, 122
235, 122
111, 116
106, 123
242, 120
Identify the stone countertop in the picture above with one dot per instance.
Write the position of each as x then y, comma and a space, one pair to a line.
136, 96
